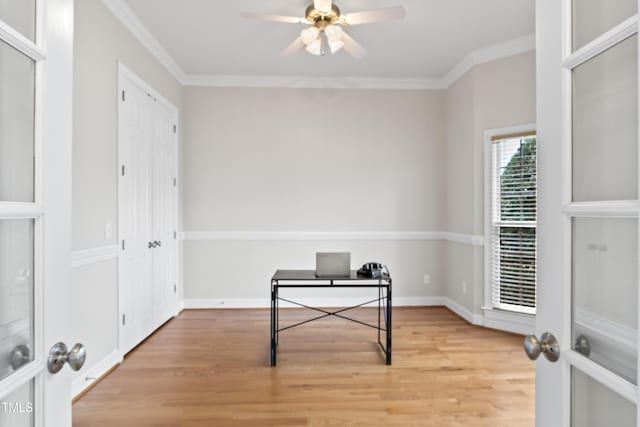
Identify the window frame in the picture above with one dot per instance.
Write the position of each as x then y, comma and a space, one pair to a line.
494, 317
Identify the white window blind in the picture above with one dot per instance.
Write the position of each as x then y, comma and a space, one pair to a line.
513, 223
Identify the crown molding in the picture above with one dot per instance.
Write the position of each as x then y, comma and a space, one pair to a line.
312, 82
488, 54
131, 21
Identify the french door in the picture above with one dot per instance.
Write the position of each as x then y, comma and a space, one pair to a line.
587, 68
36, 64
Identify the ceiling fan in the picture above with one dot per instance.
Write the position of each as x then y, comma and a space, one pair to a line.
325, 27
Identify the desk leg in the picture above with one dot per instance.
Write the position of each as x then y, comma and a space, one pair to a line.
388, 325
273, 324
379, 307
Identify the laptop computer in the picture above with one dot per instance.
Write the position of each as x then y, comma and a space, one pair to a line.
333, 264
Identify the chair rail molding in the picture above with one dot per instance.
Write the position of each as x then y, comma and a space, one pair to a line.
473, 240
89, 256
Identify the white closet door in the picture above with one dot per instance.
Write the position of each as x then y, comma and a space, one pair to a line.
164, 214
135, 272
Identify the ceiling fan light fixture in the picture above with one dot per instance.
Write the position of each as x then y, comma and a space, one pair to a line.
309, 35
333, 32
315, 47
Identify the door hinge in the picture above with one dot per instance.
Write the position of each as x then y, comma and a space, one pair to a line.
175, 288
175, 234
123, 245
122, 170
123, 96
175, 182
124, 319
175, 128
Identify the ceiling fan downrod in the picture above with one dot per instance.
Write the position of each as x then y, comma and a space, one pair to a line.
322, 19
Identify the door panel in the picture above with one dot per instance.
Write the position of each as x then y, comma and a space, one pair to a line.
594, 405
605, 292
17, 125
20, 15
605, 125
16, 294
164, 208
592, 18
136, 232
19, 410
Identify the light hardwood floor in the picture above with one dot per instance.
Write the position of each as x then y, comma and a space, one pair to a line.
211, 368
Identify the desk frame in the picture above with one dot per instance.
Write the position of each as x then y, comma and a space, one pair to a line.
305, 280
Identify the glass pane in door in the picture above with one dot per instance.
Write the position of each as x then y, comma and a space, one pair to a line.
20, 15
605, 125
592, 18
16, 294
594, 405
17, 409
17, 118
605, 292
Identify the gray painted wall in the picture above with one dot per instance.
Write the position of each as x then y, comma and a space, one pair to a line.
310, 160
492, 95
100, 42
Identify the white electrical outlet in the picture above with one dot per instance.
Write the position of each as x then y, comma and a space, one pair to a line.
108, 231
464, 287
427, 279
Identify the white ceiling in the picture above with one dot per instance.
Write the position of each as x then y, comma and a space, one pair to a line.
208, 37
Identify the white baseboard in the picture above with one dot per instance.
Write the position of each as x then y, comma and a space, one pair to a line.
516, 323
313, 302
460, 310
89, 376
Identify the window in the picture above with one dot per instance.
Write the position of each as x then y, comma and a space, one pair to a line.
512, 229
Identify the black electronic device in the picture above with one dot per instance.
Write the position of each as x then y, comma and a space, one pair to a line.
372, 269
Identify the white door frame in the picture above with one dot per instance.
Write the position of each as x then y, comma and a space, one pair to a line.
125, 73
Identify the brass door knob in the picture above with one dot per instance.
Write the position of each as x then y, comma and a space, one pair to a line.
547, 345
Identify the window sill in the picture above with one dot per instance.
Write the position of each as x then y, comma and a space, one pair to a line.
517, 323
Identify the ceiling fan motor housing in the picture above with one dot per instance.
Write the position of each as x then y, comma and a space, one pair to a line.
321, 19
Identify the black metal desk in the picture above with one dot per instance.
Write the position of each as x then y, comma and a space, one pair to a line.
308, 279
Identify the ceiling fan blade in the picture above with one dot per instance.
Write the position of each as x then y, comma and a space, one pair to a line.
274, 18
293, 47
371, 16
354, 48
